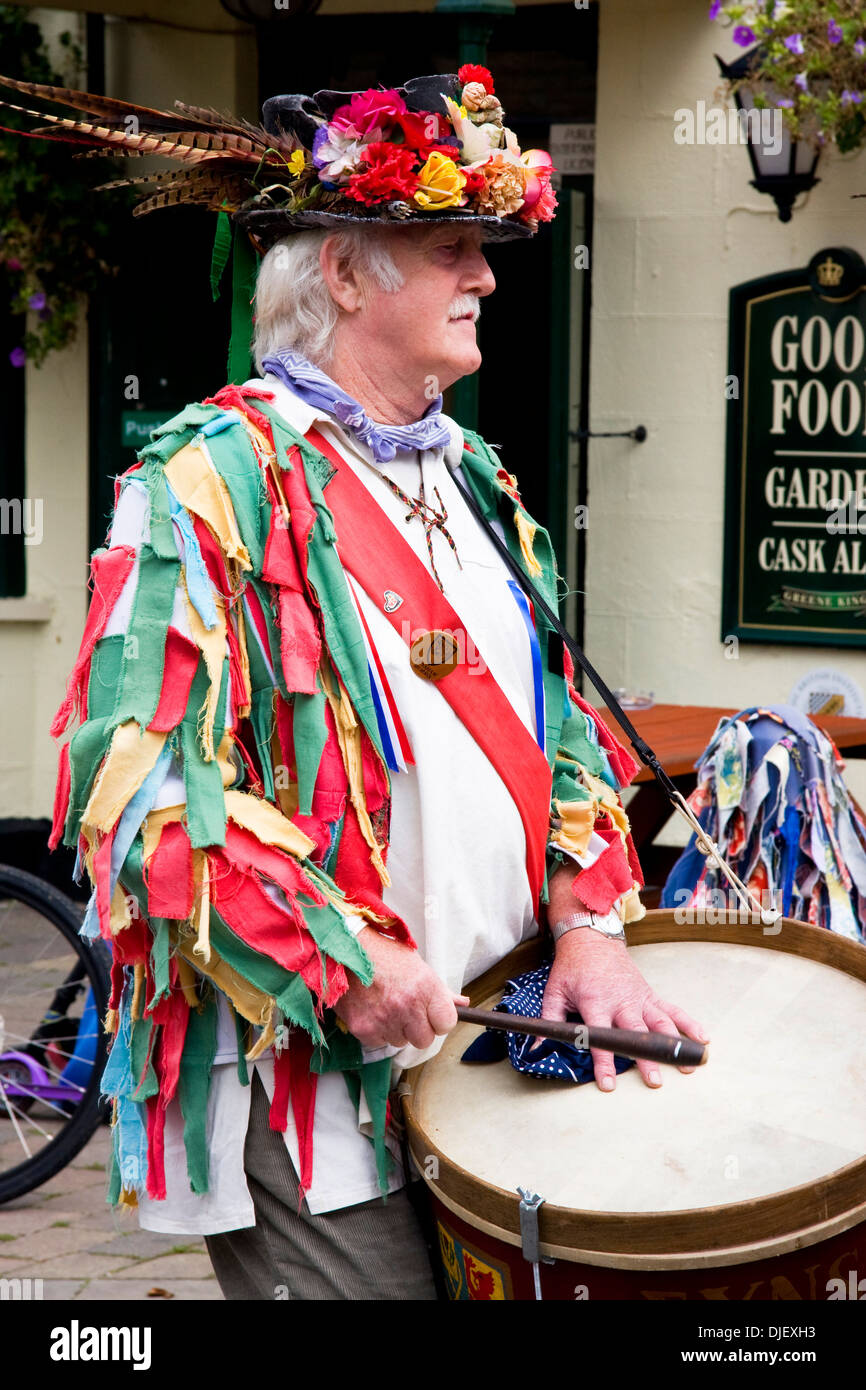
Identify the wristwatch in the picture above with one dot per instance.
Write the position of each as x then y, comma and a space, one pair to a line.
609, 925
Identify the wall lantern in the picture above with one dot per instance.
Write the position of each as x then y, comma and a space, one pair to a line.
782, 172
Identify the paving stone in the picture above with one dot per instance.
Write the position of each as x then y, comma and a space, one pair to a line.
61, 1290
191, 1265
25, 1221
80, 1265
136, 1290
40, 1245
73, 1180
138, 1244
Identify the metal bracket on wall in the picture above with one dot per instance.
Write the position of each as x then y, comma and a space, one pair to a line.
638, 433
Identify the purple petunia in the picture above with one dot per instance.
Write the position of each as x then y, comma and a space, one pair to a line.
802, 82
714, 9
784, 101
743, 35
794, 42
850, 98
834, 31
37, 301
18, 357
860, 47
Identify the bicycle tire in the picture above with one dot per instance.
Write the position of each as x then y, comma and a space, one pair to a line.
66, 916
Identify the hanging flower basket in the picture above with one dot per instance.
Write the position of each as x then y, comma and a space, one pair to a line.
811, 55
57, 239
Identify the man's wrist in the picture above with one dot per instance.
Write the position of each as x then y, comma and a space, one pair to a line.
608, 924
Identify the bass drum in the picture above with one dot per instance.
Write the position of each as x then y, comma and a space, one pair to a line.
744, 1180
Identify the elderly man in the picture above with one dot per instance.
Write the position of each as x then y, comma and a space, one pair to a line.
309, 826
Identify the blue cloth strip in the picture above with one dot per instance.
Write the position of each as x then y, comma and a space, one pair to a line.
197, 578
537, 678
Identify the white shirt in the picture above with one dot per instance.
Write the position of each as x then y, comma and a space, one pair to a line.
457, 845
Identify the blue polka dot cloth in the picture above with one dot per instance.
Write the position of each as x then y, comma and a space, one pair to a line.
523, 996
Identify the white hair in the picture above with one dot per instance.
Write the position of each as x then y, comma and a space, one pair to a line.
293, 305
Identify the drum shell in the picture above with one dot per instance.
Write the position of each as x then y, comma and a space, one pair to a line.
476, 1266
787, 1244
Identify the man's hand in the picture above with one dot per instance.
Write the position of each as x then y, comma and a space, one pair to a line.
596, 977
406, 1002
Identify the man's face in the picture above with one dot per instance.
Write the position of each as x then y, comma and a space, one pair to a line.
426, 329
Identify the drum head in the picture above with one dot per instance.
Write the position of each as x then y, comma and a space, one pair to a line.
780, 1106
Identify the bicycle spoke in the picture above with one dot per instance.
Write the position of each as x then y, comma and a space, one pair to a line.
3, 1096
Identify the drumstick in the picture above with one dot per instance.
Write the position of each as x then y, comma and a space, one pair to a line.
652, 1047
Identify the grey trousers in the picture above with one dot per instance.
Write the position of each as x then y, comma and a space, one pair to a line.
374, 1250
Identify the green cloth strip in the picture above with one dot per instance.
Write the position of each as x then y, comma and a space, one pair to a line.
140, 684
222, 245
196, 1061
243, 283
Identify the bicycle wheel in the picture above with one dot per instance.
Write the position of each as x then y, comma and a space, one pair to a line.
53, 995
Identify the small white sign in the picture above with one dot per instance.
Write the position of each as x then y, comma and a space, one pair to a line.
572, 148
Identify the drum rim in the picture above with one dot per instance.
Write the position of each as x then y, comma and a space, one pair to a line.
690, 1230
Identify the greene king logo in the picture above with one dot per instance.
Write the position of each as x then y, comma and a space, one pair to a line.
77, 1343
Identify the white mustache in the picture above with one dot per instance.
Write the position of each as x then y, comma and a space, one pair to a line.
466, 304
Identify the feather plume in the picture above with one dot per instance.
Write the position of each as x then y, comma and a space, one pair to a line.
220, 153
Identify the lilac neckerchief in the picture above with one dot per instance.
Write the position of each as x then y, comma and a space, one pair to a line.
317, 389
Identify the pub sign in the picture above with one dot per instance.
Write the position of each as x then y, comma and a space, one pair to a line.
795, 494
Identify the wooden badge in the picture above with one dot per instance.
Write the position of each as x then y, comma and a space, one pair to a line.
434, 654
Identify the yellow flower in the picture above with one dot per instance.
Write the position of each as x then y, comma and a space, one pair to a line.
440, 183
297, 160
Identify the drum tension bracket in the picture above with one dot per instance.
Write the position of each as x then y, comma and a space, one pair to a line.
530, 1202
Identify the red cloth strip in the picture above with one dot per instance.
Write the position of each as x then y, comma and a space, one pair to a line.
181, 662
109, 571
303, 1082
61, 797
357, 876
278, 1116
244, 848
252, 915
607, 879
373, 550
173, 1038
155, 1149
168, 874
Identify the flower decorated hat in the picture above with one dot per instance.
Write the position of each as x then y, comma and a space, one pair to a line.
433, 150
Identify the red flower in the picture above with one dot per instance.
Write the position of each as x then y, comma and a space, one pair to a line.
388, 173
475, 182
422, 129
474, 72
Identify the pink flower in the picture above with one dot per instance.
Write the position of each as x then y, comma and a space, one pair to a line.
539, 167
368, 111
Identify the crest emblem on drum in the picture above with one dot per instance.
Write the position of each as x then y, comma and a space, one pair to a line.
392, 601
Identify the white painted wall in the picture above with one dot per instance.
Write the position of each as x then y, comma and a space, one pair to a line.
675, 227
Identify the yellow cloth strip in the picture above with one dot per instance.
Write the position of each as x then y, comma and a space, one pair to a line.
267, 823
609, 800
121, 911
130, 757
578, 818
349, 735
286, 790
251, 1003
526, 530
199, 487
212, 645
138, 975
202, 947
186, 979
630, 906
